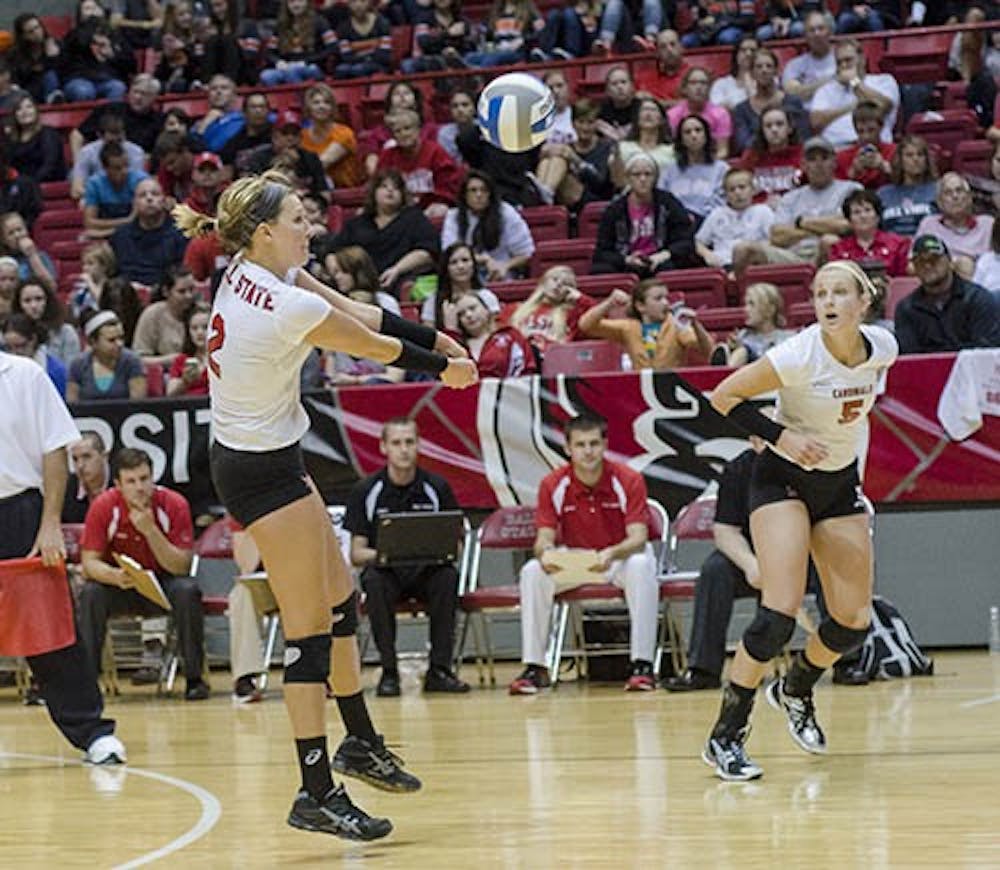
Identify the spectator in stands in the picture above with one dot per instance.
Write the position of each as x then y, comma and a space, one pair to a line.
774, 156
9, 282
577, 173
462, 108
500, 351
400, 95
175, 120
738, 220
806, 73
232, 44
784, 20
109, 196
44, 308
551, 314
206, 259
97, 266
912, 193
121, 298
238, 152
223, 120
561, 130
175, 160
300, 47
747, 115
457, 275
334, 143
397, 235
719, 22
404, 486
946, 312
152, 525
618, 26
694, 89
495, 229
32, 262
25, 337
696, 178
181, 50
649, 133
986, 189
106, 370
731, 90
9, 92
868, 160
765, 327
987, 272
833, 104
966, 234
617, 110
286, 153
18, 192
510, 31
207, 182
96, 64
88, 159
664, 82
654, 334
34, 59
644, 230
590, 503
431, 176
149, 243
136, 20
442, 36
142, 121
805, 216
867, 242
570, 31
188, 373
162, 329
870, 17
364, 42
90, 477
34, 149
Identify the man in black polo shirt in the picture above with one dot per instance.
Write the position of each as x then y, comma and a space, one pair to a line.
143, 121
145, 246
402, 486
946, 312
91, 476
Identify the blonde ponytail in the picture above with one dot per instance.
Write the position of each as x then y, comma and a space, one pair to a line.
191, 222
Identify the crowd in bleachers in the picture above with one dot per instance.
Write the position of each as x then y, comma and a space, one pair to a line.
700, 166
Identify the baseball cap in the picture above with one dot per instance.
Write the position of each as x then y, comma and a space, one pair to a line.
818, 143
287, 118
928, 244
208, 157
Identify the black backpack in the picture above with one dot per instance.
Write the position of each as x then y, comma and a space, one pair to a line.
889, 650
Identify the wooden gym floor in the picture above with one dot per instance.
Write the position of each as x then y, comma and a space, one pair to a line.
582, 777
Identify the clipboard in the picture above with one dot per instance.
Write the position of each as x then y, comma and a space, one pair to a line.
574, 568
143, 581
256, 583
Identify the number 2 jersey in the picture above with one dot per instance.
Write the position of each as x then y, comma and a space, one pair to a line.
256, 348
821, 397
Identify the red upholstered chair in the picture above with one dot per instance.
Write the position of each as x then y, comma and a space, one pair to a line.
945, 128
155, 380
590, 218
973, 157
899, 288
599, 286
792, 279
547, 222
575, 253
722, 319
57, 225
700, 287
582, 357
507, 528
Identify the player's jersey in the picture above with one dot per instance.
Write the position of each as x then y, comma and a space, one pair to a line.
255, 351
823, 398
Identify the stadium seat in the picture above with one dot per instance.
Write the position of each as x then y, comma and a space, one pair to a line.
800, 314
575, 253
349, 198
590, 219
57, 225
599, 286
582, 357
700, 287
722, 319
155, 380
945, 128
973, 157
899, 288
915, 62
334, 218
54, 190
547, 222
792, 279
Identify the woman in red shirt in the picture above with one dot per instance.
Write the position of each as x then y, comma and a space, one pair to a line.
551, 313
863, 210
189, 371
774, 156
499, 351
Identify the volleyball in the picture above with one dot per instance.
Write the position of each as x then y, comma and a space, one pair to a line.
515, 112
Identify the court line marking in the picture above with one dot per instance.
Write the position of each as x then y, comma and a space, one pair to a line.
211, 809
979, 702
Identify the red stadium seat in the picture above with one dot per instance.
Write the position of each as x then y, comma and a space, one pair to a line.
155, 380
701, 287
547, 222
582, 357
915, 62
349, 198
514, 291
57, 225
334, 218
575, 253
945, 128
600, 286
52, 190
792, 280
402, 42
973, 157
800, 314
722, 319
590, 219
899, 288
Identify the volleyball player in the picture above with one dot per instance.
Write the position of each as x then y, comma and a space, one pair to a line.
805, 496
268, 315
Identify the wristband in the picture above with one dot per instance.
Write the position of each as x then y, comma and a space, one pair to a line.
418, 359
798, 222
415, 333
750, 419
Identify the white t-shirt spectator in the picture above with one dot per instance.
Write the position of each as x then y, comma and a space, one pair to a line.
725, 226
806, 69
834, 95
809, 202
515, 236
972, 242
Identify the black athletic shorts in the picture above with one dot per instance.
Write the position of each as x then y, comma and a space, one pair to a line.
826, 494
252, 485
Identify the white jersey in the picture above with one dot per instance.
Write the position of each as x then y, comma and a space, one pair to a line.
256, 348
821, 397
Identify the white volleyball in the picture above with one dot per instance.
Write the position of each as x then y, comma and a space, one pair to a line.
515, 112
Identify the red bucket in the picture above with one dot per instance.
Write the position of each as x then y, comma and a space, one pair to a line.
36, 612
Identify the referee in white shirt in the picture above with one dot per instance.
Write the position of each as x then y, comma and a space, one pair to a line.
35, 429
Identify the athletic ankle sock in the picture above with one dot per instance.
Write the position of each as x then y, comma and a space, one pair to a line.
737, 702
801, 676
354, 712
314, 763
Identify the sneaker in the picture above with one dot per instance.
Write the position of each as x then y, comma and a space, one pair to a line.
245, 691
442, 680
562, 54
106, 750
538, 56
374, 764
641, 679
388, 685
33, 696
729, 758
532, 679
197, 690
544, 191
145, 676
336, 814
692, 680
720, 356
56, 98
801, 714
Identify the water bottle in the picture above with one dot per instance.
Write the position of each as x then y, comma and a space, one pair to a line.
995, 631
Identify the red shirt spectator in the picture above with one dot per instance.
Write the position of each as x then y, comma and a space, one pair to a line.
204, 256
591, 517
774, 172
431, 175
200, 385
872, 177
886, 247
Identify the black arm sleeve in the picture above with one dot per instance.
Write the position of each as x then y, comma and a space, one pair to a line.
415, 333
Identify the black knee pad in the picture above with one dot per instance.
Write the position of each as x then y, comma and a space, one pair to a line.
345, 617
307, 660
839, 638
767, 635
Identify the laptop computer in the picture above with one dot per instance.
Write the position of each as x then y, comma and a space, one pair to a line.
418, 538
